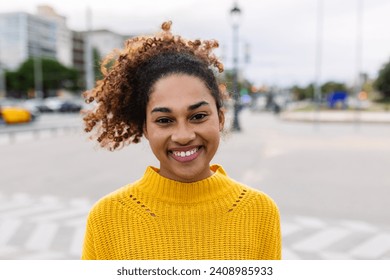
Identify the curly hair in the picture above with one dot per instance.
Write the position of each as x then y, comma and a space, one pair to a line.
129, 76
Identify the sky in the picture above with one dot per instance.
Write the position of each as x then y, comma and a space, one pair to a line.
281, 35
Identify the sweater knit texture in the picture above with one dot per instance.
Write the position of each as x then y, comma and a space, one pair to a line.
161, 219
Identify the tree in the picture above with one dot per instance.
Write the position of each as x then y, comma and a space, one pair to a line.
96, 64
332, 86
54, 76
382, 83
301, 93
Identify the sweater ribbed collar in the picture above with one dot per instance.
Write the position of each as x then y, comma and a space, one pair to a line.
159, 187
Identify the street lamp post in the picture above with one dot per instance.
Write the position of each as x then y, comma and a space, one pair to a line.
318, 60
235, 14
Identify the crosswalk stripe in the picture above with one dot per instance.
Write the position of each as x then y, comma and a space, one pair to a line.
320, 240
16, 201
289, 228
77, 222
288, 254
30, 210
77, 242
44, 256
59, 215
373, 248
309, 222
42, 237
7, 229
358, 226
334, 256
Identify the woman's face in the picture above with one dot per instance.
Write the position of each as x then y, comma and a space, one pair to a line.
183, 127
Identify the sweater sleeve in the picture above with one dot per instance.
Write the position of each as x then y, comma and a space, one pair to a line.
88, 252
272, 241
276, 253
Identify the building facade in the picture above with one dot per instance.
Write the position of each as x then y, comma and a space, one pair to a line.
63, 34
79, 56
22, 36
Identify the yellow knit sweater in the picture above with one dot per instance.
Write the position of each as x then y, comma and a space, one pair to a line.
158, 218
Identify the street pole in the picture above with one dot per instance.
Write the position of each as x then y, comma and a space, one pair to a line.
359, 51
235, 13
318, 60
89, 72
38, 72
3, 85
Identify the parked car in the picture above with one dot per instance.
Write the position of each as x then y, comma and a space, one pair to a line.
69, 106
37, 105
53, 103
13, 114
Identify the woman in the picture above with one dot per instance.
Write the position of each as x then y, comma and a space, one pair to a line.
162, 87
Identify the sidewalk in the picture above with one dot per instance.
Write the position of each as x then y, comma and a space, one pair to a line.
337, 117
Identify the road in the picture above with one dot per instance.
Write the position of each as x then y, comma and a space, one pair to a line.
330, 181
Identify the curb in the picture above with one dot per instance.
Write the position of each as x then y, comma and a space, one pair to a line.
337, 117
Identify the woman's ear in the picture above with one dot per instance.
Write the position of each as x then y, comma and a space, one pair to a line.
221, 116
145, 131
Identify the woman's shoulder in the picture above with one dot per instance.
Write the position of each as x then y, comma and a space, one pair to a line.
251, 194
260, 197
255, 198
112, 200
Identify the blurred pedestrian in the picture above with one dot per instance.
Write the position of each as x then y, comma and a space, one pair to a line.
163, 87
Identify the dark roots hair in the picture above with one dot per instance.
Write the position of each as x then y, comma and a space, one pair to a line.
129, 76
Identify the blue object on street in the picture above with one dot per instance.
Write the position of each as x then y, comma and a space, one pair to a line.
337, 96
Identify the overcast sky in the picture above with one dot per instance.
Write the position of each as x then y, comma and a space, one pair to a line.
281, 33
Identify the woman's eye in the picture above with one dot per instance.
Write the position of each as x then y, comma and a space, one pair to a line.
199, 116
163, 120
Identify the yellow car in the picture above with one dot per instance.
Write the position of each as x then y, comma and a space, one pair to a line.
11, 115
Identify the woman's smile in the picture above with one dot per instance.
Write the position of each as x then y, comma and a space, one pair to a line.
185, 154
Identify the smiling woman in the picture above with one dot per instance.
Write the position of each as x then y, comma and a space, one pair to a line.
163, 87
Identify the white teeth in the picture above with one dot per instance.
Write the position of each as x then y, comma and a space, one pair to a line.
185, 154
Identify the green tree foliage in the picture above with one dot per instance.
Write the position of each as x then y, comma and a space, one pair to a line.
54, 76
301, 93
332, 86
96, 64
382, 83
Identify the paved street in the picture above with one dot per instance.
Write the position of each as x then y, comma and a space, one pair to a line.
331, 183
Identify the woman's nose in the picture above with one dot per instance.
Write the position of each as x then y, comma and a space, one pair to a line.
183, 134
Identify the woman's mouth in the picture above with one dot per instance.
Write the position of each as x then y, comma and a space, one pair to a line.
186, 155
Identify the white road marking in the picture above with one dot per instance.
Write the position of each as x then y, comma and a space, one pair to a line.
45, 255
289, 228
321, 240
334, 256
77, 222
26, 211
358, 226
310, 222
373, 248
42, 237
65, 213
77, 242
8, 228
16, 201
287, 254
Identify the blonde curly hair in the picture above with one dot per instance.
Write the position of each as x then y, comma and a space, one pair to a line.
129, 75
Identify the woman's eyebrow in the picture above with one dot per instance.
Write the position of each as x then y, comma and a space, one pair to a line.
190, 108
162, 110
197, 105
